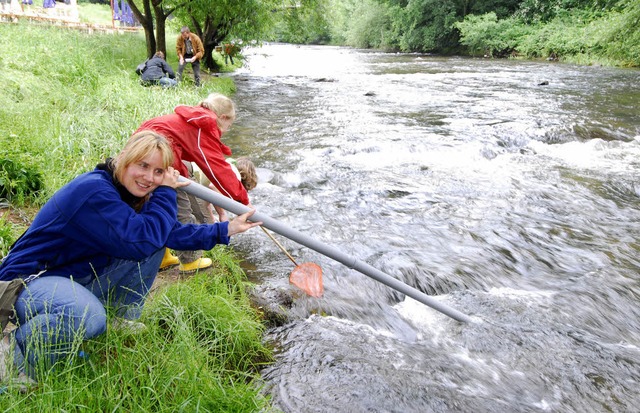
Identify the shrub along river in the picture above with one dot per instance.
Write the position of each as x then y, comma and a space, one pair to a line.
508, 190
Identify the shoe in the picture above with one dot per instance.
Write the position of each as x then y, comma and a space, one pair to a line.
7, 372
169, 260
196, 265
128, 326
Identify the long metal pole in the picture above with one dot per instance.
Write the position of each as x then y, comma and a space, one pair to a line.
229, 204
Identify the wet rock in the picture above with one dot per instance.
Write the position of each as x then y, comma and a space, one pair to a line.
272, 303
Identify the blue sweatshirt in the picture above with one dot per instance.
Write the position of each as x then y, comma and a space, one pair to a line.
87, 223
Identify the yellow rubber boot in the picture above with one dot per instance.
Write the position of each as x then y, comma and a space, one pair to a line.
169, 260
199, 264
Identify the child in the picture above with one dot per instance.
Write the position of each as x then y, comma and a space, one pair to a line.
245, 171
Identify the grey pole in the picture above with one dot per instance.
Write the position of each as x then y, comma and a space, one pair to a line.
237, 208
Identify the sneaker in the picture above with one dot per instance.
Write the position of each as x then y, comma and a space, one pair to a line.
199, 264
7, 373
169, 260
24, 382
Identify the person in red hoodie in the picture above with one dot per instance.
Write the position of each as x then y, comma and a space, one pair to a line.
195, 134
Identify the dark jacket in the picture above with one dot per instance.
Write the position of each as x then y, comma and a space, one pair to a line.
157, 68
87, 223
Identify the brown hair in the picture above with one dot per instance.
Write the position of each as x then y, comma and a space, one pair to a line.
248, 175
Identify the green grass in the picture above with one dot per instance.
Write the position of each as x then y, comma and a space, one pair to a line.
95, 13
69, 99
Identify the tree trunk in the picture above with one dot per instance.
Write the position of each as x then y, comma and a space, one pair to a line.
147, 24
161, 19
210, 39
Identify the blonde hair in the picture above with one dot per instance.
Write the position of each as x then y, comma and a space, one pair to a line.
220, 105
139, 146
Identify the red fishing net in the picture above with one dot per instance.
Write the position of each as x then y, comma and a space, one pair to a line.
308, 277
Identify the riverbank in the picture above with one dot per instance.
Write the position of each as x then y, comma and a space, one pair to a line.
69, 100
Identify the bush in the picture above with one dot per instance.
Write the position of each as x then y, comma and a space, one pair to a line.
19, 182
486, 35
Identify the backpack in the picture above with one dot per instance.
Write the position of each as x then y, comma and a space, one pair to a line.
141, 67
9, 291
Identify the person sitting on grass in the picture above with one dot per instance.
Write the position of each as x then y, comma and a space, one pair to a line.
158, 72
99, 242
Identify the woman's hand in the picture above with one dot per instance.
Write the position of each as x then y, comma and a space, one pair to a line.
240, 223
170, 178
222, 214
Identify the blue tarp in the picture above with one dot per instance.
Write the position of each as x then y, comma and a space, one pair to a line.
122, 11
116, 10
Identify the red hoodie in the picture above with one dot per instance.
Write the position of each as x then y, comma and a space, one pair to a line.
195, 137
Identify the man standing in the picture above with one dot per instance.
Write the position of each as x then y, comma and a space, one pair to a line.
190, 50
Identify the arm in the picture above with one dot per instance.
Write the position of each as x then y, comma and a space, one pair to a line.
168, 70
114, 228
179, 47
213, 164
198, 48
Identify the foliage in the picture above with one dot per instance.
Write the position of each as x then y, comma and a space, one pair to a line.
372, 27
604, 31
200, 352
6, 234
302, 22
502, 8
618, 34
426, 26
532, 11
213, 21
488, 36
578, 35
17, 180
563, 36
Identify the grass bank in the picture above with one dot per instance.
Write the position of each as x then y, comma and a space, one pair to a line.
70, 99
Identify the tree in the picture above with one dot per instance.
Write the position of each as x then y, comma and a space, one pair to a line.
213, 21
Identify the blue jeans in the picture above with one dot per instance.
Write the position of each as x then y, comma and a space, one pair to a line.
167, 82
53, 310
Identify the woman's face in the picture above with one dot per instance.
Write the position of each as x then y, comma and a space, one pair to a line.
225, 122
142, 177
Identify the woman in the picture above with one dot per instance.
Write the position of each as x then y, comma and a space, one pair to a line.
195, 133
98, 242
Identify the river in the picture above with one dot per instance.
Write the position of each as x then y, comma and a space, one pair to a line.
507, 190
